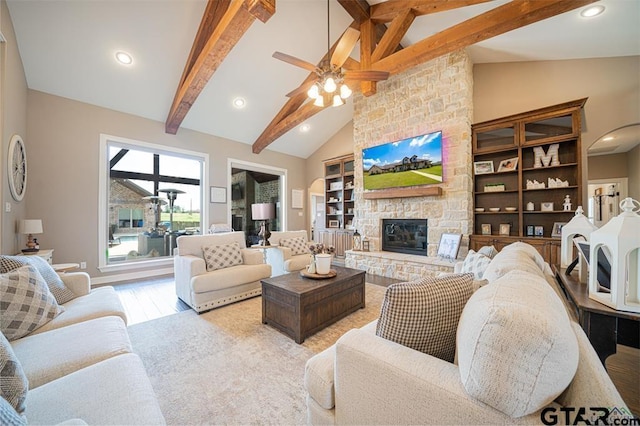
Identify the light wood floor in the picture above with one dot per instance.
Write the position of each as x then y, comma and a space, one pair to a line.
155, 298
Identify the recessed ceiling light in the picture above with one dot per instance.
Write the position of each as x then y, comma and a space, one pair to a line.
592, 11
239, 103
124, 58
608, 138
305, 128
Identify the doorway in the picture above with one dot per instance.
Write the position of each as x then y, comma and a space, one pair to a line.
604, 199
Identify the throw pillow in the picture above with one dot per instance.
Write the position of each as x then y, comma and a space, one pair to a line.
424, 314
516, 347
223, 256
489, 251
298, 245
475, 263
55, 284
25, 302
13, 382
9, 416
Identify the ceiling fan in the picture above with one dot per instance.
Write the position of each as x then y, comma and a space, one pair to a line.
329, 74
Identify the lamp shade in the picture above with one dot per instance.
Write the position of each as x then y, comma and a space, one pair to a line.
30, 226
263, 211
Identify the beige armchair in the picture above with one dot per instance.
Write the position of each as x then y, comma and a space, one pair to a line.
204, 289
284, 259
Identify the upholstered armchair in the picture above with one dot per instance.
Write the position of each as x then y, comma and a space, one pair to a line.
217, 269
290, 252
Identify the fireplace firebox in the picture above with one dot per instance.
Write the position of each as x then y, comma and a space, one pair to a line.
405, 236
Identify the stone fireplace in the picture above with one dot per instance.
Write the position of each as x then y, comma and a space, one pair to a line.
436, 95
405, 236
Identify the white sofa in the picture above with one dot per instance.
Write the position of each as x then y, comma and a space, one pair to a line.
81, 367
204, 290
365, 379
281, 259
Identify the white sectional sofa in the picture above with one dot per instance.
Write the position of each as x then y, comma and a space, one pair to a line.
81, 367
204, 288
285, 259
515, 343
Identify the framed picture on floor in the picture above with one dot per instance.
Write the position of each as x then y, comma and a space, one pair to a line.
449, 245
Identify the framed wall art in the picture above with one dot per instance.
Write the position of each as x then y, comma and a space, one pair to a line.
218, 194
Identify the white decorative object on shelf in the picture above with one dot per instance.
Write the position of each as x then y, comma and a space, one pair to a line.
530, 207
550, 158
557, 183
498, 187
579, 225
566, 206
621, 237
535, 184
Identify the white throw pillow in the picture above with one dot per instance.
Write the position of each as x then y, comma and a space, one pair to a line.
223, 256
516, 348
489, 251
475, 263
298, 245
27, 303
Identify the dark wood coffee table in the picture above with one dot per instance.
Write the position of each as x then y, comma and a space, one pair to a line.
300, 307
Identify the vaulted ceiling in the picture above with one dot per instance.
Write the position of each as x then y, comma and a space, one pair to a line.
193, 57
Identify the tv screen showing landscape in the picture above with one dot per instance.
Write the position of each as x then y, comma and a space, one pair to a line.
408, 162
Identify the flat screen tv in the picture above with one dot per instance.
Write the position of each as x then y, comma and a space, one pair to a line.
408, 162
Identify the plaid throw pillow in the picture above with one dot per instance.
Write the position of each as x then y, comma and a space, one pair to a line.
298, 245
25, 302
55, 284
13, 382
475, 263
219, 257
424, 314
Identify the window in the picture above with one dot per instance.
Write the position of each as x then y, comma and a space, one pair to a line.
149, 195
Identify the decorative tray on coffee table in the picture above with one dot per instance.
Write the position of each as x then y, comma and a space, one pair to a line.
332, 273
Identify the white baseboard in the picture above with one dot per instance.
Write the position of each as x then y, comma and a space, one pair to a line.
116, 278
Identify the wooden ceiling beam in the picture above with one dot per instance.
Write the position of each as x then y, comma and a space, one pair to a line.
223, 24
360, 12
387, 11
502, 19
391, 39
367, 46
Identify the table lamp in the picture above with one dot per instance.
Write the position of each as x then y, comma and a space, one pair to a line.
30, 227
263, 212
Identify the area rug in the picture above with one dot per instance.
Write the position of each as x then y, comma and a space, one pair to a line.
226, 367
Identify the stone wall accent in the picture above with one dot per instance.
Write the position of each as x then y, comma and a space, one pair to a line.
437, 95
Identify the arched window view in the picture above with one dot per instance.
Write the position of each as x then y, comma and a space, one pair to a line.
153, 198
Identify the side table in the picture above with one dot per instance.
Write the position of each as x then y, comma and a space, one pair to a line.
264, 250
605, 327
46, 254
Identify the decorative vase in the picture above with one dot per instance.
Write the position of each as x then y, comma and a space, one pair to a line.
312, 265
323, 263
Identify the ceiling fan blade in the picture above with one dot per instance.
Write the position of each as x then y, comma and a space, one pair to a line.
295, 61
345, 46
368, 75
303, 88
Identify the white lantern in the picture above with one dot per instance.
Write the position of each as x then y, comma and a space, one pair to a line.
579, 225
621, 238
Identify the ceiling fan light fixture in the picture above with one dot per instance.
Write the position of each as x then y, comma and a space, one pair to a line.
345, 92
330, 85
337, 101
319, 102
313, 92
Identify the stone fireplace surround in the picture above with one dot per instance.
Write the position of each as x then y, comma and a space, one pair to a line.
437, 95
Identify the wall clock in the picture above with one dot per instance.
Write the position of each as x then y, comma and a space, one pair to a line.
17, 167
